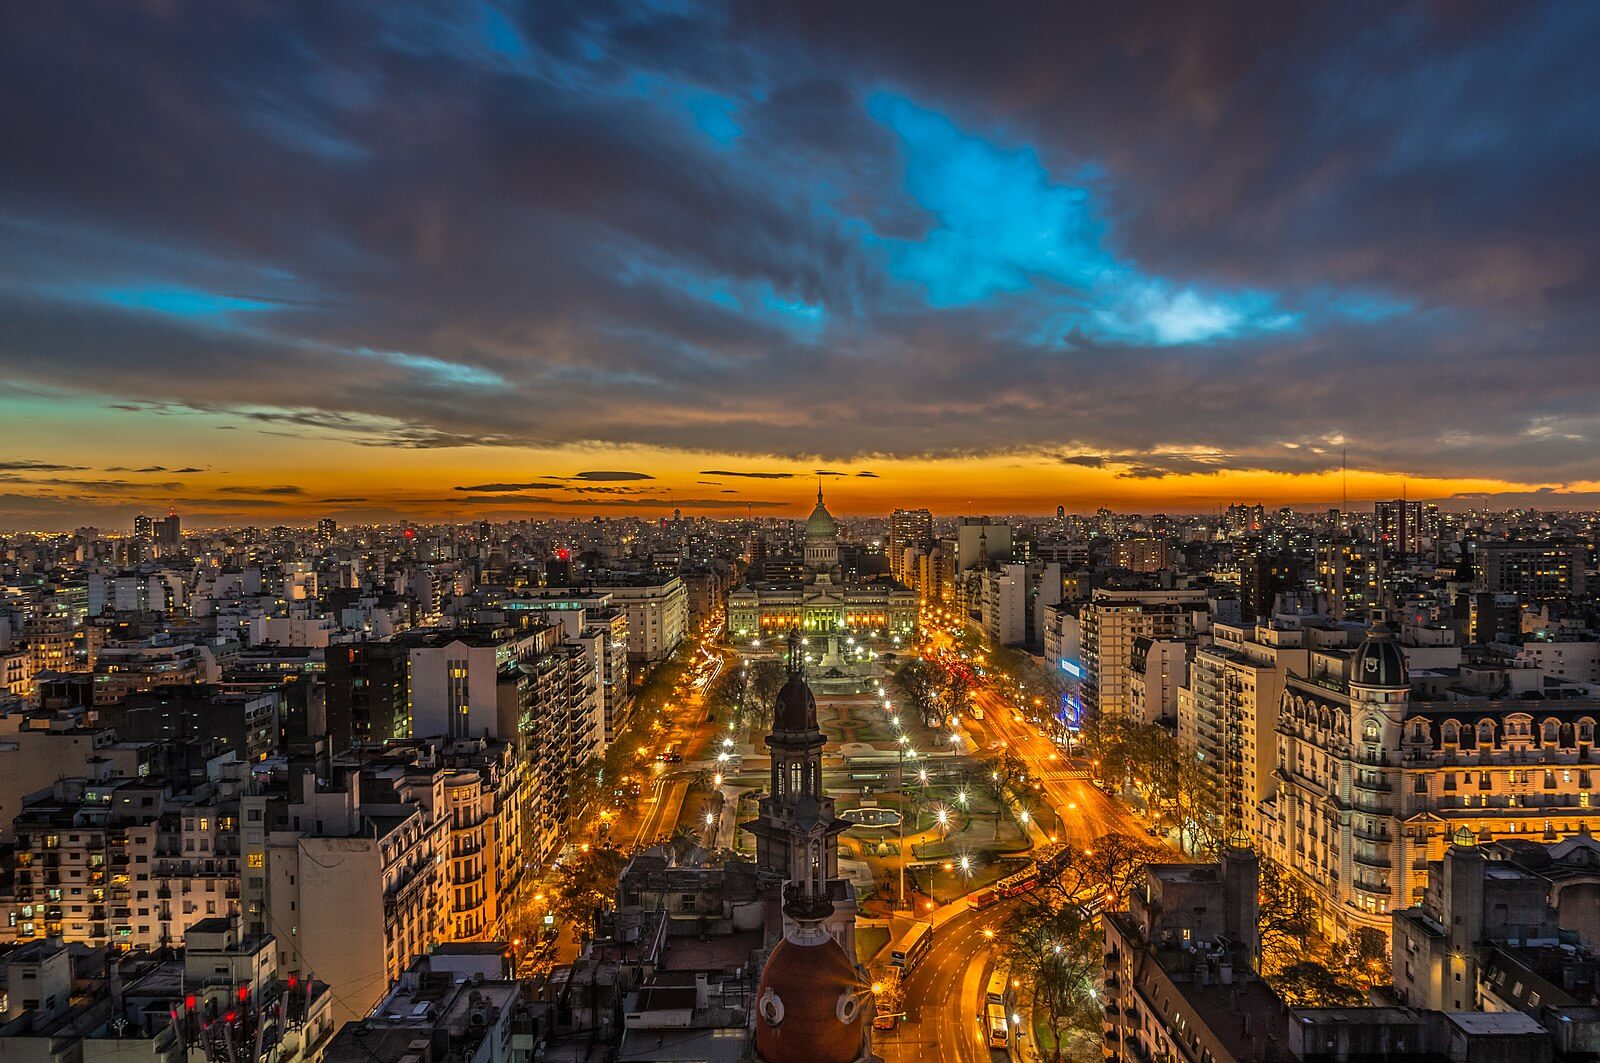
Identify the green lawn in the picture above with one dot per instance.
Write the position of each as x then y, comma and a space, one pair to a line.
869, 941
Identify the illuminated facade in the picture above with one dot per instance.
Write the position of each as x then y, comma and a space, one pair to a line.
822, 602
1373, 785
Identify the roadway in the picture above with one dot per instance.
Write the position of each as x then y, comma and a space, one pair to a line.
1082, 811
943, 997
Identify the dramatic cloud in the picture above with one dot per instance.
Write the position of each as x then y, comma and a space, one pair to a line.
1163, 240
503, 488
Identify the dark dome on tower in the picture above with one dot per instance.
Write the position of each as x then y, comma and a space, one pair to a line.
1379, 662
796, 706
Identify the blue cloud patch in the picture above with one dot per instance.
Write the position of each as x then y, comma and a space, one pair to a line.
1002, 225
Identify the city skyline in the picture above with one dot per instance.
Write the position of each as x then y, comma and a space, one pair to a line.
1156, 260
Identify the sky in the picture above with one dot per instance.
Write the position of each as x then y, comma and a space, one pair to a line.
386, 261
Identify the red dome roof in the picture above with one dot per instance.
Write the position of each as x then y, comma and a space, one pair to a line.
812, 1005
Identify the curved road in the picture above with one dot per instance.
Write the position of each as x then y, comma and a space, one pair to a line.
943, 996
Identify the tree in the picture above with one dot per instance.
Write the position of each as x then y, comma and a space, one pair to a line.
1365, 956
763, 679
1314, 985
956, 689
586, 786
586, 880
725, 694
1106, 872
1003, 781
1055, 952
916, 684
1196, 805
1286, 919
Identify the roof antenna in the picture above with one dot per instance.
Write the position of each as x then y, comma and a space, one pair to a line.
1344, 482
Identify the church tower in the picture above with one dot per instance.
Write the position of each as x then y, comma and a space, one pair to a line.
796, 830
796, 825
814, 1002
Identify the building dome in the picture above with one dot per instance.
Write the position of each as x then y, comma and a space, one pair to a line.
796, 708
821, 525
1379, 662
812, 1005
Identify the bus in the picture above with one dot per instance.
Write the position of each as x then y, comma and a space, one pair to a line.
982, 898
912, 947
998, 1027
1020, 883
998, 989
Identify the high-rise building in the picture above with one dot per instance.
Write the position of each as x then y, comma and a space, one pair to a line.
368, 692
142, 526
908, 529
1347, 572
1142, 553
1228, 712
1398, 527
1262, 577
1530, 570
1110, 623
169, 530
1003, 604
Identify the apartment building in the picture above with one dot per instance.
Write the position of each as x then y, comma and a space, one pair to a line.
1533, 571
1157, 671
123, 668
1110, 623
1374, 780
125, 862
658, 616
368, 692
37, 748
1228, 710
354, 890
1003, 604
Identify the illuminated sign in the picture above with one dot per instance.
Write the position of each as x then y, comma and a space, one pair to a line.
1072, 668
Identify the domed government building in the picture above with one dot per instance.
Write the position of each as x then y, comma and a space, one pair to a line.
822, 602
